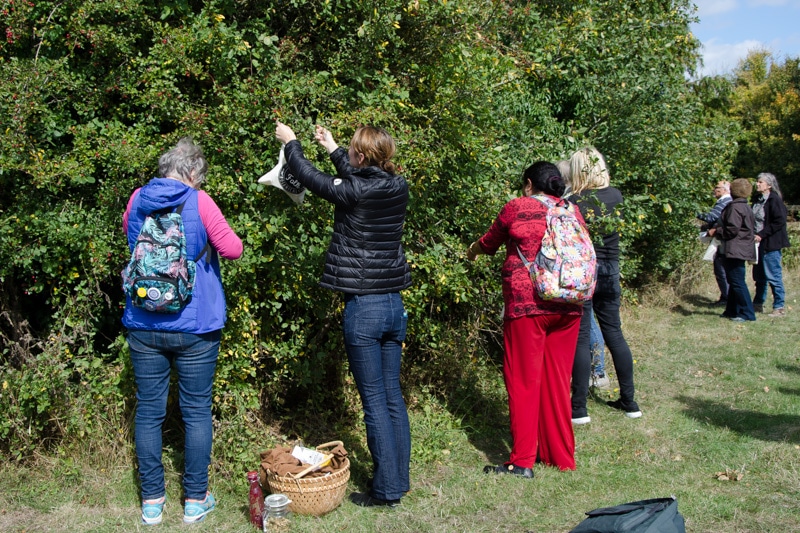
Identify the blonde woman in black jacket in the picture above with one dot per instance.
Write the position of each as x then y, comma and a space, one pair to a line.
365, 261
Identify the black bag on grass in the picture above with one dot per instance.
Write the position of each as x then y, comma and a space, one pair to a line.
659, 515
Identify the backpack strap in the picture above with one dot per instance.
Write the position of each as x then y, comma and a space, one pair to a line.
206, 248
548, 201
525, 262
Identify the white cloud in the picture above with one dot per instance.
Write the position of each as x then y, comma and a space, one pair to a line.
768, 3
722, 58
715, 7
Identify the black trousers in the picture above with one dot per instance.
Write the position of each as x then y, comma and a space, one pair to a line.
605, 303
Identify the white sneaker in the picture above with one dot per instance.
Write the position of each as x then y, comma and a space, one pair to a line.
581, 421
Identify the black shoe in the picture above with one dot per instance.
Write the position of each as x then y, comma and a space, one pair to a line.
720, 303
631, 408
365, 500
509, 469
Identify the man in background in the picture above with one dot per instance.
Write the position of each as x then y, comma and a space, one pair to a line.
722, 192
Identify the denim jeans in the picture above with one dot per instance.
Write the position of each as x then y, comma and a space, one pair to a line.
195, 358
598, 347
721, 277
739, 303
768, 272
605, 303
374, 330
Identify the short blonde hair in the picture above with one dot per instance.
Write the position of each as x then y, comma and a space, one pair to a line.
588, 170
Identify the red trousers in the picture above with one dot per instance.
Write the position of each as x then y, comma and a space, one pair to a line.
537, 367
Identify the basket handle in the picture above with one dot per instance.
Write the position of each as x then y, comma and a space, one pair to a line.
312, 468
331, 444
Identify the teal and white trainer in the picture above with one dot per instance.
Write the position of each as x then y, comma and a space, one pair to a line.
196, 510
153, 510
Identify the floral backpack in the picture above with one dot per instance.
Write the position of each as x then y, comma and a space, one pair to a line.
564, 268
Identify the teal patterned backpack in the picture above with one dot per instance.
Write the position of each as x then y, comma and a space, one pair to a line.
159, 276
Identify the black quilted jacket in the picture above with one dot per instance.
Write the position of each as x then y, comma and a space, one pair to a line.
774, 234
366, 254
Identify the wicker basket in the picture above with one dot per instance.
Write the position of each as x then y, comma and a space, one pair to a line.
314, 495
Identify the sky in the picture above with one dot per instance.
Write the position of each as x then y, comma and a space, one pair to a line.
729, 29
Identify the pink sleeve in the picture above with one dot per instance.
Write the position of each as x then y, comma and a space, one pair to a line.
220, 234
126, 215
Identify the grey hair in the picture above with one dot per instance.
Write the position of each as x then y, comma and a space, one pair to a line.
772, 181
186, 162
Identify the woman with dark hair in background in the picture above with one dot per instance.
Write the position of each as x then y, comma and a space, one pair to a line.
539, 336
598, 346
772, 236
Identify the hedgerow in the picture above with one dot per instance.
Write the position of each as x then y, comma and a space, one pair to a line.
92, 92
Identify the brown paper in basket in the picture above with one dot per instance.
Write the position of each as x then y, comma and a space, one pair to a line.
281, 462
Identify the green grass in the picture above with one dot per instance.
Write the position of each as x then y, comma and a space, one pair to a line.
716, 397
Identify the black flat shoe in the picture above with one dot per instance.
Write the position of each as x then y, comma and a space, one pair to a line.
365, 500
509, 469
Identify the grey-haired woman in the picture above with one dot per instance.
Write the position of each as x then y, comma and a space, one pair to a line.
187, 340
772, 236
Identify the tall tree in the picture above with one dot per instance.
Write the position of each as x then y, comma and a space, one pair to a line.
766, 101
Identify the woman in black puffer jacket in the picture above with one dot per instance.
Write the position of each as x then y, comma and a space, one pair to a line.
366, 262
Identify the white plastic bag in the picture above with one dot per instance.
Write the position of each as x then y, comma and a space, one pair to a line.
281, 178
756, 261
711, 251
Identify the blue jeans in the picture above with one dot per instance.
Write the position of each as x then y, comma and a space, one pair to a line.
768, 272
719, 275
195, 358
605, 303
374, 330
598, 347
739, 303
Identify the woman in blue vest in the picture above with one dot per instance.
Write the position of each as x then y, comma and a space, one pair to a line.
187, 340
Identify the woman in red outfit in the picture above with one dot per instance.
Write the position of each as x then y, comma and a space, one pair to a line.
539, 335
